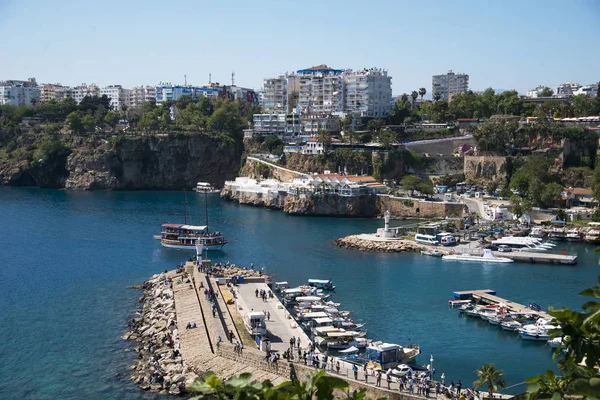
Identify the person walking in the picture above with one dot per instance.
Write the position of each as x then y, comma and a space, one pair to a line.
378, 378
355, 370
389, 380
337, 367
458, 387
365, 372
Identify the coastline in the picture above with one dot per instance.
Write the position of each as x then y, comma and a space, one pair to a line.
373, 243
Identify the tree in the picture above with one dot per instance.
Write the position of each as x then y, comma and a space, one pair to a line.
112, 119
74, 123
580, 332
325, 139
318, 385
490, 376
387, 138
437, 97
88, 122
414, 95
413, 182
350, 135
375, 125
422, 92
491, 187
546, 92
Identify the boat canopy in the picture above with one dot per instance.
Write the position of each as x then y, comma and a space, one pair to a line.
340, 334
294, 290
349, 350
256, 315
325, 329
306, 298
319, 281
281, 283
172, 225
194, 227
323, 320
315, 315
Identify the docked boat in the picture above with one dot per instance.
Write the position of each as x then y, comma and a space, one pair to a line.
387, 355
537, 332
518, 243
510, 325
556, 342
455, 302
205, 187
573, 235
557, 232
323, 284
184, 236
487, 257
537, 232
592, 236
432, 253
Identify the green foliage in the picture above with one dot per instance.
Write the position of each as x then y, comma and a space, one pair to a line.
375, 125
318, 385
580, 332
413, 182
546, 92
497, 137
53, 151
74, 123
490, 376
273, 145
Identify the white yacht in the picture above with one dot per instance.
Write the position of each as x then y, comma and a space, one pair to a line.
487, 257
592, 235
573, 235
537, 232
523, 243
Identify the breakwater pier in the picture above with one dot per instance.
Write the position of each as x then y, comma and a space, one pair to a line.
488, 297
191, 321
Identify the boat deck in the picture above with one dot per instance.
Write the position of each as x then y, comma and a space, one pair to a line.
487, 296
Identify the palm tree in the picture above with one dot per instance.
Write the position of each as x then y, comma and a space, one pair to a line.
488, 374
437, 96
422, 92
414, 95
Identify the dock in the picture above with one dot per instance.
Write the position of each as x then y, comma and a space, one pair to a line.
518, 256
487, 296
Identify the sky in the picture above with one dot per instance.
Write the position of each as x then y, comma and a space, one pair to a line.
504, 44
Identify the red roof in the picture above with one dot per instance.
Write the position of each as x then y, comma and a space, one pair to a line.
579, 191
172, 225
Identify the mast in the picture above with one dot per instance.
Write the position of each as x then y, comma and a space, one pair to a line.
206, 207
184, 207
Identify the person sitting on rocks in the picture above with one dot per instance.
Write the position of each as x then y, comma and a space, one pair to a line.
189, 325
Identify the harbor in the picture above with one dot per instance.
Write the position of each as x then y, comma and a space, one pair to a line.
204, 334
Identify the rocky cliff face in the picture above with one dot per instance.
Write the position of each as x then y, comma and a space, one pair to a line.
323, 204
166, 162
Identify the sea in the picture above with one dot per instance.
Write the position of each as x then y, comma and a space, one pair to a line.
69, 261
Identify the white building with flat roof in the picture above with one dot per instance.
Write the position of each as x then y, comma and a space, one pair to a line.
118, 96
368, 93
79, 92
277, 124
321, 90
448, 84
19, 93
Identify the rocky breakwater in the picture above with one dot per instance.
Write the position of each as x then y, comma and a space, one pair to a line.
373, 243
159, 366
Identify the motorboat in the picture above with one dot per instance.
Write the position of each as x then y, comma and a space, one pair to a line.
487, 257
432, 253
557, 232
349, 350
389, 355
486, 313
537, 232
523, 243
538, 331
205, 187
555, 342
454, 302
324, 284
510, 325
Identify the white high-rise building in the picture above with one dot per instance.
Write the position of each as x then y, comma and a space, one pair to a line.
142, 94
448, 84
79, 92
118, 96
280, 94
19, 93
321, 90
368, 93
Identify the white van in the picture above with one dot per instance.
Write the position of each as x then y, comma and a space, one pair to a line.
426, 239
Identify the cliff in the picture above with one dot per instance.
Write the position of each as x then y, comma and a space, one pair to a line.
324, 204
125, 163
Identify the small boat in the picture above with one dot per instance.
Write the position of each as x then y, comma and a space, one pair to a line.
205, 187
556, 342
557, 232
454, 302
487, 257
510, 325
592, 236
324, 284
349, 350
432, 253
537, 232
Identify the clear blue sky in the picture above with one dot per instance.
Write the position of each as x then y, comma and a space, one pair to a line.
501, 44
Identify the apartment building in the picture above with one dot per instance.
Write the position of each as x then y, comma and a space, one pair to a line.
448, 84
119, 97
280, 94
321, 90
277, 124
142, 94
19, 93
368, 93
566, 89
79, 92
54, 91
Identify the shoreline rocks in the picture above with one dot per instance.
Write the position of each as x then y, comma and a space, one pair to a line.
355, 242
159, 366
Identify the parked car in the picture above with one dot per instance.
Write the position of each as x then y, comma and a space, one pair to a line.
504, 248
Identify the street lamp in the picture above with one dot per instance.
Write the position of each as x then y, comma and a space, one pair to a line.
431, 366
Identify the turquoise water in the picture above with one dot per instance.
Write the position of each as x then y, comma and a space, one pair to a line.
68, 261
